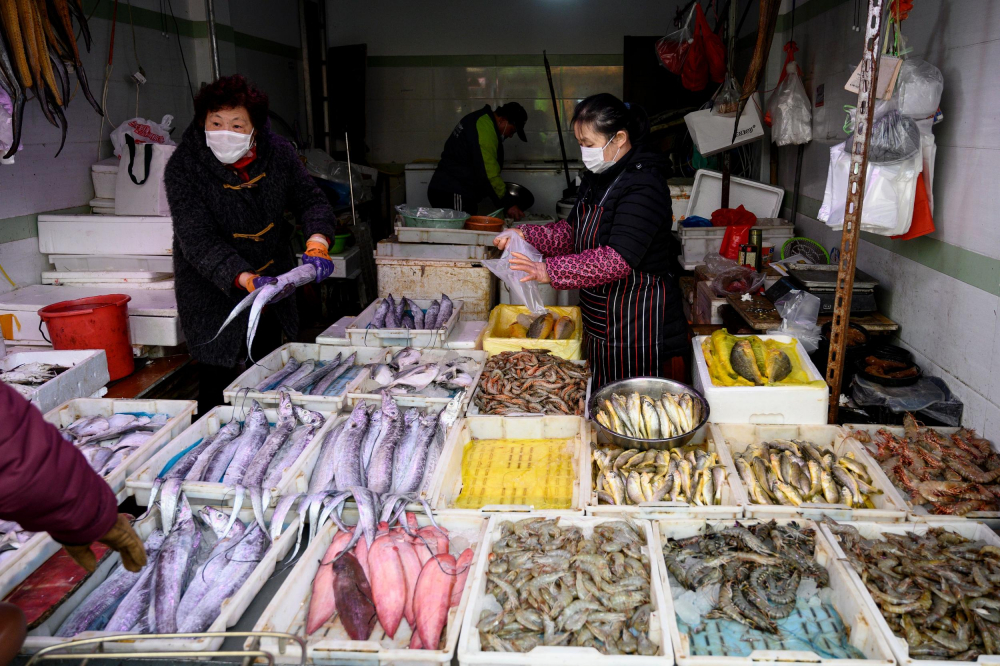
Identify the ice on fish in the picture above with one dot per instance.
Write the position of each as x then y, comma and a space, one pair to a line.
687, 608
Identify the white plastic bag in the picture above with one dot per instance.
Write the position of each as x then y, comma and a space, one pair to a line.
139, 188
523, 292
143, 131
6, 126
919, 86
791, 110
799, 311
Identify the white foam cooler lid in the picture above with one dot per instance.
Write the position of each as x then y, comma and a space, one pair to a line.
108, 165
706, 194
145, 302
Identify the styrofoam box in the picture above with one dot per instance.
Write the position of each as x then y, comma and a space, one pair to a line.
847, 601
105, 175
889, 506
361, 336
466, 335
179, 411
474, 410
707, 304
706, 195
696, 242
295, 479
732, 506
470, 648
448, 236
87, 373
919, 513
764, 404
876, 531
330, 644
232, 609
133, 280
101, 234
448, 485
112, 263
362, 388
389, 248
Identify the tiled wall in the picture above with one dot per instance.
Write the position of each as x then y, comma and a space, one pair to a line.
412, 108
944, 290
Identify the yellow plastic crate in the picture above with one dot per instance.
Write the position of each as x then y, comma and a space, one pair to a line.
503, 316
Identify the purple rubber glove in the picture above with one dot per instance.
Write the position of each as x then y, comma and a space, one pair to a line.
317, 256
262, 280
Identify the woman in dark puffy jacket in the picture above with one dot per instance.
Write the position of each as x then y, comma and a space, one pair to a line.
616, 248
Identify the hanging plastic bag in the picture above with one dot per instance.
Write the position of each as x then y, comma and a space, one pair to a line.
727, 100
799, 311
919, 86
715, 50
791, 110
895, 137
143, 131
525, 292
790, 48
672, 49
6, 125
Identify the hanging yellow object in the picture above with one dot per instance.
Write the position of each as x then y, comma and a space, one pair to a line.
533, 472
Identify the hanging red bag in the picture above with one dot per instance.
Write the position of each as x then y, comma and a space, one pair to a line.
923, 221
715, 51
672, 50
694, 76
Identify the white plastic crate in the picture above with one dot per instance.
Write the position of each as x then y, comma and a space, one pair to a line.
87, 373
179, 411
294, 480
361, 335
288, 611
470, 649
232, 609
849, 604
764, 404
448, 484
732, 507
391, 248
696, 242
362, 388
899, 646
104, 262
446, 236
889, 506
474, 410
105, 177
103, 234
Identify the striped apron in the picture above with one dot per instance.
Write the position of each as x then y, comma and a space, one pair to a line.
623, 319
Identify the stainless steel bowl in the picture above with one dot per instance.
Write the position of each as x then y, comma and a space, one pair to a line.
520, 195
654, 387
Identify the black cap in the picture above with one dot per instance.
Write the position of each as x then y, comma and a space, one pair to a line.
515, 114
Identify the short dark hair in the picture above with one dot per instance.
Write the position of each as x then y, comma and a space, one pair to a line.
608, 115
229, 92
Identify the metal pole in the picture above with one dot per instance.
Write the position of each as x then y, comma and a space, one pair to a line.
350, 176
555, 110
852, 210
306, 84
213, 44
726, 178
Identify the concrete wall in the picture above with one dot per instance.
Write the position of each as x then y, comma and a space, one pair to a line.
944, 290
256, 37
431, 63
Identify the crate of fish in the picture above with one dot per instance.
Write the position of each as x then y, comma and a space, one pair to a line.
118, 436
534, 602
924, 584
315, 376
513, 328
945, 473
50, 378
530, 383
406, 322
236, 456
399, 599
504, 463
416, 377
689, 482
745, 592
189, 585
381, 455
805, 470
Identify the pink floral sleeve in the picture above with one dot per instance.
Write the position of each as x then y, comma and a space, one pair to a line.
589, 268
552, 239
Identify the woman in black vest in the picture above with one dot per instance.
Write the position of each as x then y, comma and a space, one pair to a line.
616, 248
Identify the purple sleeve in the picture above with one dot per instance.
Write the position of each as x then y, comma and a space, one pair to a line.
552, 239
589, 268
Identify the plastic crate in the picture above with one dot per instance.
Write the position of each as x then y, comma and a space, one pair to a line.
361, 335
449, 236
363, 389
502, 316
86, 373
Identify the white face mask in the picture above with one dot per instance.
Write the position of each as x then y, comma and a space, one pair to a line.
228, 146
593, 158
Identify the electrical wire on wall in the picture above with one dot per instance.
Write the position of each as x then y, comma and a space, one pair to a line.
180, 48
108, 68
139, 74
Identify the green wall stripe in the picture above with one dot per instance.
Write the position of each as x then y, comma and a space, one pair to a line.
523, 60
154, 20
26, 226
977, 270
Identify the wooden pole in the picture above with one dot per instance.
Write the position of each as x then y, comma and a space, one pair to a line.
852, 211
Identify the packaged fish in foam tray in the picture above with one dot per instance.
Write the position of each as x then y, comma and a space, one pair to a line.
438, 595
86, 598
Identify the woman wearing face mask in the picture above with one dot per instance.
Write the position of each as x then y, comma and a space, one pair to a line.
616, 248
229, 184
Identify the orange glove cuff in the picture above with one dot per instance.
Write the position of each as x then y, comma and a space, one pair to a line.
317, 249
245, 280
